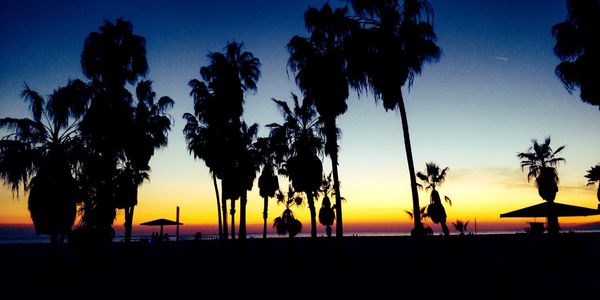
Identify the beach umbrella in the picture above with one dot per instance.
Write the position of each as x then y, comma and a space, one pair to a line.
161, 223
558, 209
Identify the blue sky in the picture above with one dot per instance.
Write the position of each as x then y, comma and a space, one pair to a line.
492, 91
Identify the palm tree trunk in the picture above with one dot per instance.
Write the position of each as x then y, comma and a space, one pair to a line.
552, 219
332, 148
243, 201
128, 223
418, 230
313, 214
265, 215
224, 212
232, 212
218, 206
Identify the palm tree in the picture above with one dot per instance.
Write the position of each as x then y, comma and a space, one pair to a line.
268, 183
149, 132
321, 72
215, 125
205, 139
287, 223
394, 42
433, 177
300, 134
461, 226
593, 176
327, 212
41, 156
541, 162
111, 58
576, 45
249, 165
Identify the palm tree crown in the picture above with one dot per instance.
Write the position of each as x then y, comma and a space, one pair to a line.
541, 162
593, 176
577, 47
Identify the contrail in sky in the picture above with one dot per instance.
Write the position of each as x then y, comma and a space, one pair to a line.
501, 58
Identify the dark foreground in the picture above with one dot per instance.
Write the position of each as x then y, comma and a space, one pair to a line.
459, 267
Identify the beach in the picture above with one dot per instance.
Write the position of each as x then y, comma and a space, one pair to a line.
511, 266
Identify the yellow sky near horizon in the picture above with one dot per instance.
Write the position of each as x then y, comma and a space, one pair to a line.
477, 194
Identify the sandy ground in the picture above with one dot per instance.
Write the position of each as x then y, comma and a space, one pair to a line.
515, 266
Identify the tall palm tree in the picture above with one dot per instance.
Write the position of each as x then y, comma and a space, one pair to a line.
249, 165
434, 176
593, 176
205, 139
151, 124
300, 135
541, 162
213, 130
321, 72
111, 58
577, 47
394, 42
268, 183
42, 153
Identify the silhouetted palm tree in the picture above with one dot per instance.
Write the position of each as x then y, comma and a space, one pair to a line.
321, 71
214, 128
41, 156
433, 177
390, 50
461, 226
205, 139
249, 162
541, 162
268, 183
593, 176
577, 47
300, 134
111, 57
287, 223
327, 212
149, 131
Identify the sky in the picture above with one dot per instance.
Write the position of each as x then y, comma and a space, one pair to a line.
493, 90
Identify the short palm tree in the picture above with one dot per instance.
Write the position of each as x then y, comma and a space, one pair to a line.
461, 226
327, 211
433, 177
395, 41
42, 153
576, 45
593, 176
268, 183
287, 223
300, 136
541, 161
321, 71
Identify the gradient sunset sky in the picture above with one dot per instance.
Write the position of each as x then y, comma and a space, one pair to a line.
493, 90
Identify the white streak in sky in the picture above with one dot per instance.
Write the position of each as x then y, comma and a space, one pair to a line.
501, 58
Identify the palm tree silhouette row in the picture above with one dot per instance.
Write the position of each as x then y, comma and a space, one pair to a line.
593, 177
215, 131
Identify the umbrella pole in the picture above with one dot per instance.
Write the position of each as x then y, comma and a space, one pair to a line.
161, 232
